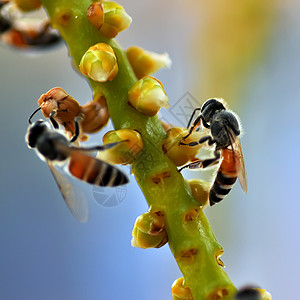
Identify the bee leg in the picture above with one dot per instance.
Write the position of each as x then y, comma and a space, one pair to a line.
53, 122
51, 117
201, 141
192, 116
202, 164
207, 138
77, 129
204, 123
196, 124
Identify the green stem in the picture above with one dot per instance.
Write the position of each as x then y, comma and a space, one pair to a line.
201, 271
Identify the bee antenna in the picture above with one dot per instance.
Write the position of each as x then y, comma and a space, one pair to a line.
29, 120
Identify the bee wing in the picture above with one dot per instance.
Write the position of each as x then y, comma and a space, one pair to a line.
75, 198
238, 159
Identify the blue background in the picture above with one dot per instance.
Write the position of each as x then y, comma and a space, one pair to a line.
46, 254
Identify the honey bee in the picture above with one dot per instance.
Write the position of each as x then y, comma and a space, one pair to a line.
248, 293
63, 109
20, 33
225, 130
55, 148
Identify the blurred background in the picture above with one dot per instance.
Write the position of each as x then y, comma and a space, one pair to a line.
246, 52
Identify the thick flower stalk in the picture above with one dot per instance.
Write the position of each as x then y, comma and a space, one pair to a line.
174, 213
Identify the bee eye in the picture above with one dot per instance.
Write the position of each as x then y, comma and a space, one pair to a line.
208, 103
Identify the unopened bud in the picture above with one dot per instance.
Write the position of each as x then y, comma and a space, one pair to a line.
115, 19
148, 95
99, 63
56, 99
28, 5
149, 231
96, 15
181, 154
145, 63
200, 190
180, 292
126, 152
95, 116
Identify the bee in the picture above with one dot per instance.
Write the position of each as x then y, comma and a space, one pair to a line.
248, 293
63, 109
55, 148
225, 130
24, 33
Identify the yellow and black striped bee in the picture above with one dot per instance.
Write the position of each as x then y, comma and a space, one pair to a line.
23, 34
54, 147
225, 129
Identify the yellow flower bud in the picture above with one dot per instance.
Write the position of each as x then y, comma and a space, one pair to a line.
180, 292
148, 96
200, 190
96, 15
181, 154
124, 153
145, 63
28, 5
115, 19
149, 231
99, 63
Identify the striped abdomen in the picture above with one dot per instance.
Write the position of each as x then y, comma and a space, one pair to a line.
95, 171
225, 179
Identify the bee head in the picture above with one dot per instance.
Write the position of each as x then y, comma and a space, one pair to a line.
210, 107
34, 131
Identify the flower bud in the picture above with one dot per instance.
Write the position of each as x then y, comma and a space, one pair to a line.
95, 116
99, 63
181, 154
179, 292
200, 190
58, 100
96, 15
28, 5
115, 19
145, 63
148, 96
124, 153
149, 231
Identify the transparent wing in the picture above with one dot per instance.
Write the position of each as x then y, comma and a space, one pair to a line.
238, 159
75, 198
